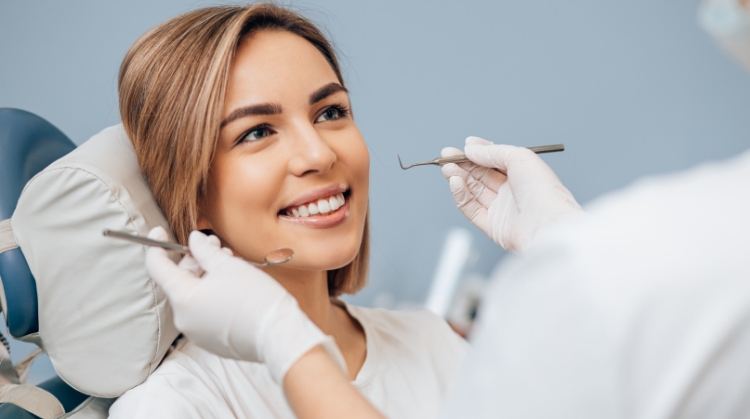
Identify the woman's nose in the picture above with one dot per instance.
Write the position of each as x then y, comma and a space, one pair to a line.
312, 153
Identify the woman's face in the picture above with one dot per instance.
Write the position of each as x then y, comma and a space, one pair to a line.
291, 168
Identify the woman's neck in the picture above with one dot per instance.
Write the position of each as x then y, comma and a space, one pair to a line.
310, 288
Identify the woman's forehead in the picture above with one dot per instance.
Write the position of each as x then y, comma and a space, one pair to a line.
272, 65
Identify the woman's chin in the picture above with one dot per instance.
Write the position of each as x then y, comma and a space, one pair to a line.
316, 260
329, 265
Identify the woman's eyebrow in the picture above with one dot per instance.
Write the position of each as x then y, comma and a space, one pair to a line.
326, 91
262, 109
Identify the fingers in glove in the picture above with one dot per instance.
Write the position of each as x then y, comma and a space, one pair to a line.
451, 151
452, 169
158, 233
482, 194
207, 252
191, 265
477, 141
482, 142
494, 179
478, 189
466, 202
175, 282
501, 157
214, 240
491, 178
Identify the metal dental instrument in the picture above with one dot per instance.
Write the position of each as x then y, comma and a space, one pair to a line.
275, 257
463, 159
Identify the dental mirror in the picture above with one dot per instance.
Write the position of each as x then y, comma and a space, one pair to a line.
277, 257
274, 257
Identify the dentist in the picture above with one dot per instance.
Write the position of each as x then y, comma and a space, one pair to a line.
639, 308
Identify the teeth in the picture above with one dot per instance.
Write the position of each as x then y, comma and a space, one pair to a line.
334, 203
322, 206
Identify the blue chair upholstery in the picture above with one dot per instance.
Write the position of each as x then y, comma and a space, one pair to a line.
28, 144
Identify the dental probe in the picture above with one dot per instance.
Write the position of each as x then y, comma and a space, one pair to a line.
275, 257
461, 158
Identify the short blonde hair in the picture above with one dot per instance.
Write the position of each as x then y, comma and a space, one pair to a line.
171, 86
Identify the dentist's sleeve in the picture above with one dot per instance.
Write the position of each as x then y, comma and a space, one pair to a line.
640, 309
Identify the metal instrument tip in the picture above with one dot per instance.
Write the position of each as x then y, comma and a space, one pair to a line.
401, 164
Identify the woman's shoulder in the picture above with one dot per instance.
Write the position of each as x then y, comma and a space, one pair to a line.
189, 383
168, 391
416, 327
408, 352
398, 318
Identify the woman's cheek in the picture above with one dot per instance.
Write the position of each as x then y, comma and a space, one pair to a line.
247, 190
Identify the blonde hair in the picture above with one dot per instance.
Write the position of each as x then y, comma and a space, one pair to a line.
171, 86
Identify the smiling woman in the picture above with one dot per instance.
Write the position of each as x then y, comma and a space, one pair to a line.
242, 125
155, 75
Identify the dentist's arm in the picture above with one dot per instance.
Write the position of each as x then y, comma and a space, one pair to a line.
508, 192
316, 389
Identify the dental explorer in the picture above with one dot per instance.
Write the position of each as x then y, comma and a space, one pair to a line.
461, 158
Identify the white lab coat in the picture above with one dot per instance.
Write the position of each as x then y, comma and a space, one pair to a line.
639, 309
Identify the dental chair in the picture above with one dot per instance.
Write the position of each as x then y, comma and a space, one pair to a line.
84, 299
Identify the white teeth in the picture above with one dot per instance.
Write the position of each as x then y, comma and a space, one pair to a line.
334, 203
324, 207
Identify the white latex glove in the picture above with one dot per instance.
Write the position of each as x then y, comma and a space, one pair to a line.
233, 309
508, 192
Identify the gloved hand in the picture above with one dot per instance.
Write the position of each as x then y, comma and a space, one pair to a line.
508, 192
233, 309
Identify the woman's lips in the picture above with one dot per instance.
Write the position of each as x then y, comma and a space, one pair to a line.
321, 220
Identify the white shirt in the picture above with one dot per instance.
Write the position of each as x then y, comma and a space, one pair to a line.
412, 357
639, 310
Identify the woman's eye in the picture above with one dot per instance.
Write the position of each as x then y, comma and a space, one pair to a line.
255, 134
331, 114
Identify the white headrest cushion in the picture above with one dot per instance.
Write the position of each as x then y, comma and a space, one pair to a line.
102, 321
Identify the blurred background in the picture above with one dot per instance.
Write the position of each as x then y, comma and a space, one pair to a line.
632, 88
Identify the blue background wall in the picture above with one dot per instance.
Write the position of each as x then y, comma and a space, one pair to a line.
632, 88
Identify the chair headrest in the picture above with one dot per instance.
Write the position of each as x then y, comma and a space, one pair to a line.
102, 321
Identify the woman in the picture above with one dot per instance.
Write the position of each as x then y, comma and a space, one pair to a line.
243, 126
